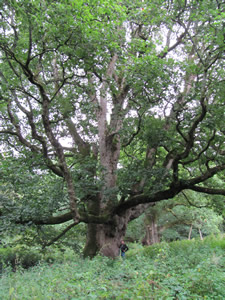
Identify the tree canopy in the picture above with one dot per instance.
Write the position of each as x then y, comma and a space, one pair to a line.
121, 102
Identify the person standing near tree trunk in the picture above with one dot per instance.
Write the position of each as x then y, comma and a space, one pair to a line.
123, 249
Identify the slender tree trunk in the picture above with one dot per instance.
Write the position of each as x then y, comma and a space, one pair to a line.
200, 233
190, 231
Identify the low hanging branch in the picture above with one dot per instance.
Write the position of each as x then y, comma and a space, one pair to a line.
59, 236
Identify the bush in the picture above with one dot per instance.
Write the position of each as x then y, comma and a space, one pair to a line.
154, 250
216, 241
14, 257
7, 258
29, 259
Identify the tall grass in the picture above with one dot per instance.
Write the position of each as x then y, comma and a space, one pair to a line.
178, 270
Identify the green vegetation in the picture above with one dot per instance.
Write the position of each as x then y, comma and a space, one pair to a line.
178, 270
106, 108
111, 128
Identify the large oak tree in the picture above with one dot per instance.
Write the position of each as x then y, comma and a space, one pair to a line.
122, 100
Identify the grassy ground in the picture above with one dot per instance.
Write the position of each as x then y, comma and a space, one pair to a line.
178, 270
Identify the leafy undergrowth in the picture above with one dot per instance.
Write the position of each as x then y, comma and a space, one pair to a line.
178, 270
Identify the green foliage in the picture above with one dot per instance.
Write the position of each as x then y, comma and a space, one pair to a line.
28, 191
174, 218
214, 242
35, 238
21, 257
182, 270
17, 257
135, 229
134, 89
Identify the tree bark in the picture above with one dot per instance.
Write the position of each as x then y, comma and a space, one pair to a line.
190, 231
105, 238
151, 233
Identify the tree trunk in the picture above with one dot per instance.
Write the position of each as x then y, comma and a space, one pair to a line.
105, 239
154, 232
147, 238
151, 234
190, 231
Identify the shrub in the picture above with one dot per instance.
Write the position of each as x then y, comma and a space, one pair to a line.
29, 259
15, 257
7, 258
215, 241
152, 251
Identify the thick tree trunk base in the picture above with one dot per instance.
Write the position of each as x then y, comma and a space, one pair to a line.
105, 239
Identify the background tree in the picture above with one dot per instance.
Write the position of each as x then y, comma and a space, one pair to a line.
122, 101
187, 215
